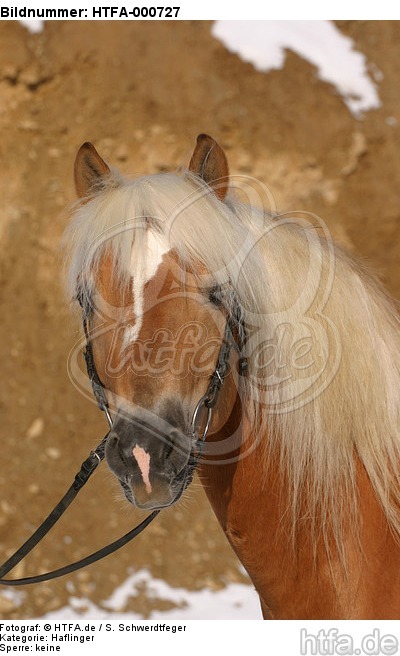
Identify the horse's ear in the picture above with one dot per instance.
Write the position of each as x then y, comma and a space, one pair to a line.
210, 163
90, 170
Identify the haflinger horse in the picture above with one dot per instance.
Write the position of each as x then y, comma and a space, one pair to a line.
301, 452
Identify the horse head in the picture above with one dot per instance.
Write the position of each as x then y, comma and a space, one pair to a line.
156, 324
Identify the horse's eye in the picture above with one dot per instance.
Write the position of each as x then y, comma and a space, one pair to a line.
215, 296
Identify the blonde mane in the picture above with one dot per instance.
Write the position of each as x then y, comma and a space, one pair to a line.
323, 338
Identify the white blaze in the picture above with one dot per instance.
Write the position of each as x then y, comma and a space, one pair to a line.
157, 247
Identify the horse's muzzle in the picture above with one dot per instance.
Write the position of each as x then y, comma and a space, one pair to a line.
150, 457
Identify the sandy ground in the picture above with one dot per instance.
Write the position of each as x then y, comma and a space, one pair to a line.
142, 92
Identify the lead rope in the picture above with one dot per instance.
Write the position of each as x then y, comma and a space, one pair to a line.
81, 478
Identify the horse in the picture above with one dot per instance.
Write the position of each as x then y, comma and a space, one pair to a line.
248, 344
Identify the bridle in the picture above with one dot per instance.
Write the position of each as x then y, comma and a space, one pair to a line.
234, 335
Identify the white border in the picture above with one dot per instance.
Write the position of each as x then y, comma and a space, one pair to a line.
248, 10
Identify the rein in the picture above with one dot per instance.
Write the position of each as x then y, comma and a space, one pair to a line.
85, 472
207, 401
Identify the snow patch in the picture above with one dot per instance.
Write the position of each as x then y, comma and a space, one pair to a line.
235, 602
34, 26
263, 43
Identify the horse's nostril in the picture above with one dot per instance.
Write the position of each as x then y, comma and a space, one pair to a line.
145, 453
124, 457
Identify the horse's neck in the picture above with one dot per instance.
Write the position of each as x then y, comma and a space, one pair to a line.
299, 579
